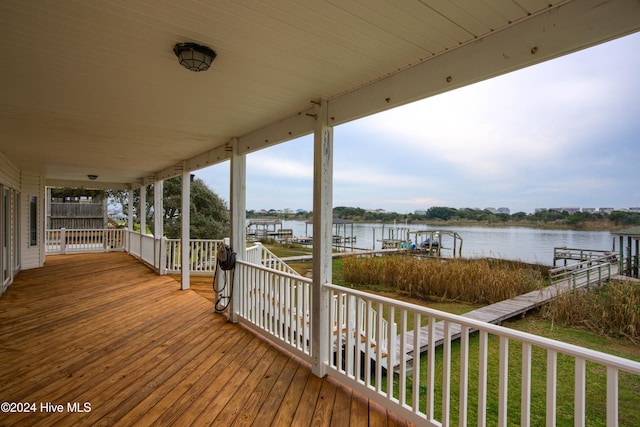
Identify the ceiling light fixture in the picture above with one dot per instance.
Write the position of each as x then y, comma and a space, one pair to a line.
92, 177
194, 57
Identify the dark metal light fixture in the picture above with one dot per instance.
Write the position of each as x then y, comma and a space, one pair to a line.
194, 57
92, 177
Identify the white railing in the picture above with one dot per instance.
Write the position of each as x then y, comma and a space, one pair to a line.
575, 254
145, 247
592, 270
276, 304
63, 241
202, 256
422, 391
365, 323
258, 254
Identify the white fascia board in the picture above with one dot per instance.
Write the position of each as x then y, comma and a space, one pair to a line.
206, 159
210, 158
300, 124
91, 185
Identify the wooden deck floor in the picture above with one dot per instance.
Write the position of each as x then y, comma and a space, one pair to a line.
104, 330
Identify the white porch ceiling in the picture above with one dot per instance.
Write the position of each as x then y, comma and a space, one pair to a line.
93, 87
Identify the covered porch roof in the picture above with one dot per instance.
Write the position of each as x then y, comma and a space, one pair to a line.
94, 88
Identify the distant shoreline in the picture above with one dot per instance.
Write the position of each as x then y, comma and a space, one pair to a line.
585, 226
600, 225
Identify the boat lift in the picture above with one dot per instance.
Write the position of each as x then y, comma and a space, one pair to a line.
431, 243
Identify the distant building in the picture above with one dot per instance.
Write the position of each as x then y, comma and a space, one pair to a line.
540, 210
492, 210
504, 211
589, 210
606, 211
636, 210
420, 212
570, 211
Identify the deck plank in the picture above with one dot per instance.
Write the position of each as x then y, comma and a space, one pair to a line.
105, 329
324, 407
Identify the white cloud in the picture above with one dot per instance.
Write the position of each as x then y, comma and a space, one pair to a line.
267, 165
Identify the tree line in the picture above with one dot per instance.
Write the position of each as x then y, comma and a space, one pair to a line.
482, 216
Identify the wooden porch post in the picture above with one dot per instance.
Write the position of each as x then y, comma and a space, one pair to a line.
143, 209
158, 224
322, 236
238, 218
185, 239
129, 217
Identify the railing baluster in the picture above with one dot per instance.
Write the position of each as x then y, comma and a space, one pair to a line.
482, 378
417, 319
431, 366
552, 373
464, 375
525, 396
446, 374
368, 344
402, 391
612, 396
503, 395
580, 387
340, 328
378, 347
391, 312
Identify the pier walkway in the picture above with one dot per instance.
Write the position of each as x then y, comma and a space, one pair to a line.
573, 277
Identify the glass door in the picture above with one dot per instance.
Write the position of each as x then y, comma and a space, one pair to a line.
4, 236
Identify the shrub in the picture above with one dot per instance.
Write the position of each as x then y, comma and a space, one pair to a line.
612, 309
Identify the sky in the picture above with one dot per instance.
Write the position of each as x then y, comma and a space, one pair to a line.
564, 133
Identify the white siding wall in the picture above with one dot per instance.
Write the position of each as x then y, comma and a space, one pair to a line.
9, 173
9, 180
32, 185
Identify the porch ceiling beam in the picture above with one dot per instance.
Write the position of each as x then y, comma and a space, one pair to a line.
300, 124
83, 184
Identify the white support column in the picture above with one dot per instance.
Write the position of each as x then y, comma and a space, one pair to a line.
238, 218
322, 236
129, 217
158, 223
142, 212
185, 213
158, 209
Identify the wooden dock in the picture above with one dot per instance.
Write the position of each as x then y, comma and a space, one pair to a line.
498, 312
301, 258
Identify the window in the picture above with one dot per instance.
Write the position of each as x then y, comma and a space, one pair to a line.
4, 236
16, 230
33, 221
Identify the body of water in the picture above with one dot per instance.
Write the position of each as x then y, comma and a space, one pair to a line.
515, 243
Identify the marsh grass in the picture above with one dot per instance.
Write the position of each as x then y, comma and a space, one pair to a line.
612, 309
477, 281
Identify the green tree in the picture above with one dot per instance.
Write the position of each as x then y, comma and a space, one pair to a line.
209, 214
443, 213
